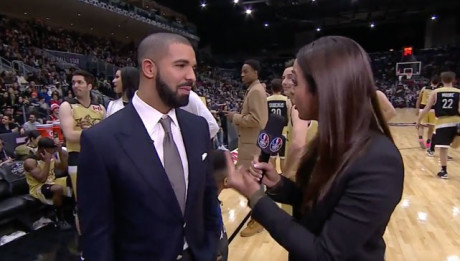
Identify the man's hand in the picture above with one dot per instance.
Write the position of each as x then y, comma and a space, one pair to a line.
85, 125
46, 156
229, 114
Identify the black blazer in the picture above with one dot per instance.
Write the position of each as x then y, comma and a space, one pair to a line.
127, 208
349, 223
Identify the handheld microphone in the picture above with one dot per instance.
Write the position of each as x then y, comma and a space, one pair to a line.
270, 139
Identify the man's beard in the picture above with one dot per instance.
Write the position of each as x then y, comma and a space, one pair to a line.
171, 98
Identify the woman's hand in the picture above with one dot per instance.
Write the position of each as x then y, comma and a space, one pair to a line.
240, 179
271, 176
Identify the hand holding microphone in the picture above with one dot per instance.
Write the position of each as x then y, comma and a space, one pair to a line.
247, 181
265, 173
270, 142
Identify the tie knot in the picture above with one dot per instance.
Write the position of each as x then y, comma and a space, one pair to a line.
166, 124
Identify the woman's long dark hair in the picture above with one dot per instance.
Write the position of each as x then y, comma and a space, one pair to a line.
129, 81
339, 75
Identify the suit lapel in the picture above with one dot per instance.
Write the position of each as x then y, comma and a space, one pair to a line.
139, 147
193, 156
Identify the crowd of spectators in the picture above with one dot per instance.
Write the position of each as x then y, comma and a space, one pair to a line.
25, 91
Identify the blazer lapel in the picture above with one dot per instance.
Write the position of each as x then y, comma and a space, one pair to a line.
139, 147
193, 157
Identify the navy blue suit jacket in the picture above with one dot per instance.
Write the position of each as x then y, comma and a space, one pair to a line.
126, 205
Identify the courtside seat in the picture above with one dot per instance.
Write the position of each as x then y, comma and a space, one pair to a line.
15, 202
11, 208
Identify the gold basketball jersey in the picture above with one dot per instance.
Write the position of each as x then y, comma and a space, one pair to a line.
34, 184
426, 92
84, 116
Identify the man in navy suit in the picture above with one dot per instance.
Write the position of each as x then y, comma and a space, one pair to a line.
145, 189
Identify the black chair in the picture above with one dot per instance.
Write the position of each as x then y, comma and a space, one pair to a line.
16, 205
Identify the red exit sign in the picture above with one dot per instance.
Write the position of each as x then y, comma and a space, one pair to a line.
407, 51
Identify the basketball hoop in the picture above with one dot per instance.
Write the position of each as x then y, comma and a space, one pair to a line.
407, 70
408, 75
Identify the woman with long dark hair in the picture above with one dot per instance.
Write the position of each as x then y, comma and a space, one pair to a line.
126, 82
351, 177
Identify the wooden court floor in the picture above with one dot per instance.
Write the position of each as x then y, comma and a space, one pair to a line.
425, 226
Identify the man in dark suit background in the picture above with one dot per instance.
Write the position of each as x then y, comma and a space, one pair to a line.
145, 189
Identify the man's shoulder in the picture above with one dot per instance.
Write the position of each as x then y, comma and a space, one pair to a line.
197, 123
109, 126
258, 89
186, 115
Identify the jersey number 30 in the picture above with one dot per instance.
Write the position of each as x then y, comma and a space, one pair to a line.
276, 111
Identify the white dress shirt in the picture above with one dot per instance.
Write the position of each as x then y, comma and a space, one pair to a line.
151, 119
196, 106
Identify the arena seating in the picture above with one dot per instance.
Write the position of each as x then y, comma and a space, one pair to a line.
16, 205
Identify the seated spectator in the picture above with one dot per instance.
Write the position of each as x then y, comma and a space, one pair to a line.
7, 125
55, 99
32, 123
5, 157
69, 96
32, 144
41, 177
43, 104
5, 100
22, 152
54, 116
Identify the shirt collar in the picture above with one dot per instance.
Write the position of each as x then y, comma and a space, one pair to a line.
149, 115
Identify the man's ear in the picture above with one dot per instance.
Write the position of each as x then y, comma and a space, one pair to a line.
149, 69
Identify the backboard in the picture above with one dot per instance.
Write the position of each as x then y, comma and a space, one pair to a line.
408, 68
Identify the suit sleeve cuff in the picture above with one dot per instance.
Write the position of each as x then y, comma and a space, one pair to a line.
275, 189
236, 118
255, 198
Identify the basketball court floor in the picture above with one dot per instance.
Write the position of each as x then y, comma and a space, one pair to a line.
424, 227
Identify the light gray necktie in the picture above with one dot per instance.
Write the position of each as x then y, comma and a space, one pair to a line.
173, 163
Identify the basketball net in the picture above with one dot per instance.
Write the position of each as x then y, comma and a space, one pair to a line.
409, 76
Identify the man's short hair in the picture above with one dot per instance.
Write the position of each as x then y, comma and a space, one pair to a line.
255, 65
289, 63
276, 85
46, 142
448, 77
156, 45
89, 78
33, 134
435, 80
219, 165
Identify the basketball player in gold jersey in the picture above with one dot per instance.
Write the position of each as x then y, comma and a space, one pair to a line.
77, 115
41, 178
280, 105
299, 132
429, 119
446, 102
